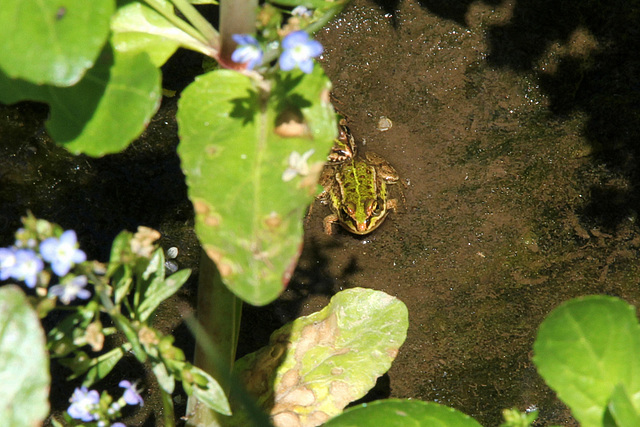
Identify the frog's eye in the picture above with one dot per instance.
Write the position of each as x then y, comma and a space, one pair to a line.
377, 210
371, 207
350, 208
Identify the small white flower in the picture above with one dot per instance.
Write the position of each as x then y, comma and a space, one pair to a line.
301, 11
297, 165
71, 290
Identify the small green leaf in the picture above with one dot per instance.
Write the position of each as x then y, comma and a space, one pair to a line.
210, 394
165, 379
402, 413
122, 281
24, 365
52, 42
119, 247
155, 266
79, 363
105, 111
159, 291
317, 364
131, 334
102, 365
60, 339
515, 418
234, 151
585, 348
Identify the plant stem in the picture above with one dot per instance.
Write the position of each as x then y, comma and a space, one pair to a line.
236, 17
179, 23
168, 415
219, 312
198, 21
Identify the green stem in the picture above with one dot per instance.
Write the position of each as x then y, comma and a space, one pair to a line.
198, 21
179, 23
167, 404
219, 312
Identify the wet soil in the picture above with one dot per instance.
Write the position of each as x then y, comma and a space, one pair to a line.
515, 130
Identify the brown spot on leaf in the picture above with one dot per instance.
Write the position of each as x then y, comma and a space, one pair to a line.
212, 220
289, 380
273, 220
211, 150
286, 419
320, 333
325, 96
337, 371
224, 267
290, 124
201, 207
300, 396
316, 418
308, 340
340, 393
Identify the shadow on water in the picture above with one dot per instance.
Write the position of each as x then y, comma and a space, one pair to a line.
516, 203
604, 82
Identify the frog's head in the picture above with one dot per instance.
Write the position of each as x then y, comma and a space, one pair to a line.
363, 218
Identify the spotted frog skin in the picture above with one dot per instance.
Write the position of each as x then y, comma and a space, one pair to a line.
356, 187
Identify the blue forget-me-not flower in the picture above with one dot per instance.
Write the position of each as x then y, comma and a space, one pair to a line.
131, 394
248, 51
7, 262
62, 252
26, 267
71, 290
299, 50
84, 404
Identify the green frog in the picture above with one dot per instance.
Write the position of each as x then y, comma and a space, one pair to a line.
356, 187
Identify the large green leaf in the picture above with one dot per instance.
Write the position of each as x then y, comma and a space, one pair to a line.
137, 27
402, 413
316, 365
584, 349
237, 141
52, 42
105, 111
24, 365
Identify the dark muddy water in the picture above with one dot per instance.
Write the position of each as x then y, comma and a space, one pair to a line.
516, 131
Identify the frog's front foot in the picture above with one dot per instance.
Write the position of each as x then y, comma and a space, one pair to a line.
392, 204
328, 223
